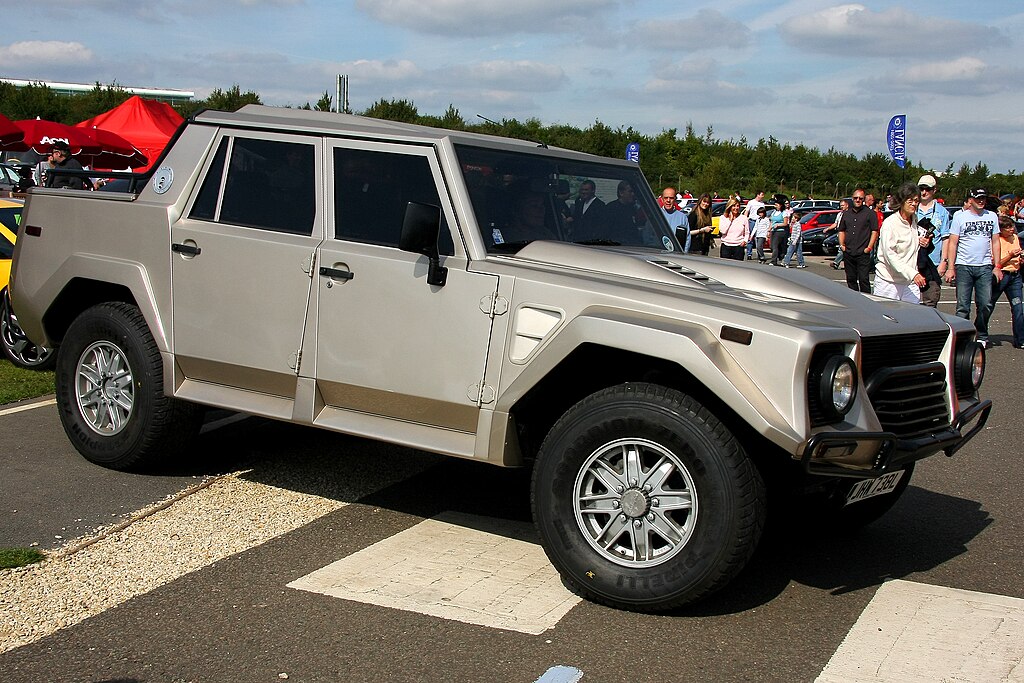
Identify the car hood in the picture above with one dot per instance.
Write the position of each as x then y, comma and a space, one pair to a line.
803, 297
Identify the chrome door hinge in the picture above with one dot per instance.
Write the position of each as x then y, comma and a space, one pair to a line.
481, 394
294, 360
494, 304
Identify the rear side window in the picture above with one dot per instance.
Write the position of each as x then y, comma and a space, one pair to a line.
372, 190
269, 185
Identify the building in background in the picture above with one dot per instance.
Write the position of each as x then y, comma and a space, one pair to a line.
168, 95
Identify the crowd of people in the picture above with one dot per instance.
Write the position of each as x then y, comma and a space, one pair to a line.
911, 242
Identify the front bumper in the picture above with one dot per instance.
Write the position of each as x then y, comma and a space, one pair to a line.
824, 450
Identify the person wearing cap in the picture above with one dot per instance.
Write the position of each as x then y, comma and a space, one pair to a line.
938, 215
970, 258
60, 159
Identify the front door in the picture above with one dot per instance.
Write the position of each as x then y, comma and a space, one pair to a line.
388, 344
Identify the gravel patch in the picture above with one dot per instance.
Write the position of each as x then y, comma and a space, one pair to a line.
208, 522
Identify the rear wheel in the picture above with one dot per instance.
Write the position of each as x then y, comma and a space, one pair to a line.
644, 500
18, 348
110, 391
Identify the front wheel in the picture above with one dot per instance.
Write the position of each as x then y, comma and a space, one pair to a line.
110, 391
18, 348
644, 501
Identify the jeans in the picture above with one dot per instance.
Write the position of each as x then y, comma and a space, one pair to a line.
797, 248
976, 280
759, 242
1011, 284
734, 252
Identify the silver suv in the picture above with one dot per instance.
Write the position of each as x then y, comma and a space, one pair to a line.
496, 300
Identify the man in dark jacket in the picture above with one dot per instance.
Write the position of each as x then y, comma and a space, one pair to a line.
61, 160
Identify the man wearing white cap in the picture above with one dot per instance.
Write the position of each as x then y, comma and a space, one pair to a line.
938, 215
971, 258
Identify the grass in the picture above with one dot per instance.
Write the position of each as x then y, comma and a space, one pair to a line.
19, 557
17, 384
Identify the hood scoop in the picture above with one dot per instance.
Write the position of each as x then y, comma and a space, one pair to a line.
689, 273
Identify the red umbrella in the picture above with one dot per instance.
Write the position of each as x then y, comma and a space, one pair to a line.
40, 136
116, 152
11, 136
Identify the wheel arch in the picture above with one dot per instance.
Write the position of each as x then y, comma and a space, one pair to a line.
617, 352
80, 294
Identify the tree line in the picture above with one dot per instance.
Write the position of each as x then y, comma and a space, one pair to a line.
690, 161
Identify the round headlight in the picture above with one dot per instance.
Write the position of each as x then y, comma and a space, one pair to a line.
838, 387
970, 366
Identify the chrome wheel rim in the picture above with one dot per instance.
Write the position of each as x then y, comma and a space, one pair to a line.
104, 388
15, 340
635, 502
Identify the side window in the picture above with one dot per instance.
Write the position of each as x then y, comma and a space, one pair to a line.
371, 191
205, 206
269, 185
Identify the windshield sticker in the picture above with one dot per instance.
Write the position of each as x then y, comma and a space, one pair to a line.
668, 243
496, 236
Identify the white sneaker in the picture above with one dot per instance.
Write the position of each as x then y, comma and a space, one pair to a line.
983, 343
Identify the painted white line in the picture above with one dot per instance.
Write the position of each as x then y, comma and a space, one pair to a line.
916, 633
561, 674
477, 570
30, 406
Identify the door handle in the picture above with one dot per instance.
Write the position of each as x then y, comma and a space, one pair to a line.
186, 249
336, 273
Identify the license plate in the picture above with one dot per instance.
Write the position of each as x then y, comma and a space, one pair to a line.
869, 488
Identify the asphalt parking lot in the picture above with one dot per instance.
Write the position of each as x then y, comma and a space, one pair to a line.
231, 574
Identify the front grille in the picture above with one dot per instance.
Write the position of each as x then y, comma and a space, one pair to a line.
910, 401
897, 350
906, 382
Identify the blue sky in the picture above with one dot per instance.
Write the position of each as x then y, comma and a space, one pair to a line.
822, 74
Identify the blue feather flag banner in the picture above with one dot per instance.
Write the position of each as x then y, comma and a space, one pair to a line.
897, 137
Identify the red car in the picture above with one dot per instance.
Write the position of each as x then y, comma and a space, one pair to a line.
813, 224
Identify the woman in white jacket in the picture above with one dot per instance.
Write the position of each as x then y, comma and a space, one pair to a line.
896, 274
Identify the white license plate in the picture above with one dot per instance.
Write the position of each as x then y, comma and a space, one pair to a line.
869, 488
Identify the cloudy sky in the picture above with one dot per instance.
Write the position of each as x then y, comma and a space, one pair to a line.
806, 71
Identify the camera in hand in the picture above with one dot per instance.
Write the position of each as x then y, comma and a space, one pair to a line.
925, 227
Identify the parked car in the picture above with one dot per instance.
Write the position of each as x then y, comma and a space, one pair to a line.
17, 348
13, 179
814, 225
830, 244
813, 204
397, 293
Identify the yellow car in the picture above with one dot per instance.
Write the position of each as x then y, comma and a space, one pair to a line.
16, 346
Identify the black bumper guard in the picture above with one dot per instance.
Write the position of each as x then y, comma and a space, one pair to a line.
894, 452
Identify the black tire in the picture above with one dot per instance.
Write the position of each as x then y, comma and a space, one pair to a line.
18, 348
110, 392
679, 452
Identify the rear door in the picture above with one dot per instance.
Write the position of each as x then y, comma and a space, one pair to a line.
241, 264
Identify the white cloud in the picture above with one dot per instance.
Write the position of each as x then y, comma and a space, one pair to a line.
46, 53
507, 75
707, 30
959, 70
855, 30
459, 17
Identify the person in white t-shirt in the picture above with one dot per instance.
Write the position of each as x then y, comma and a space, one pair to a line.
750, 211
970, 258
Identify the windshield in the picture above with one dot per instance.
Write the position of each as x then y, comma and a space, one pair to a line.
519, 198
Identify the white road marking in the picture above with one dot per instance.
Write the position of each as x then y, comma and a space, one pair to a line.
916, 633
561, 674
30, 406
476, 570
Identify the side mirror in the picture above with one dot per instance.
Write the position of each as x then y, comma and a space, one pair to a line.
420, 229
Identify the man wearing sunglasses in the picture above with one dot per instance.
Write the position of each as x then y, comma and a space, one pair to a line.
858, 233
938, 215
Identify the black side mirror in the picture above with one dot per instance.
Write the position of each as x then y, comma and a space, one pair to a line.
420, 229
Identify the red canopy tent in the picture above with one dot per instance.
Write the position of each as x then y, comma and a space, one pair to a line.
147, 124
